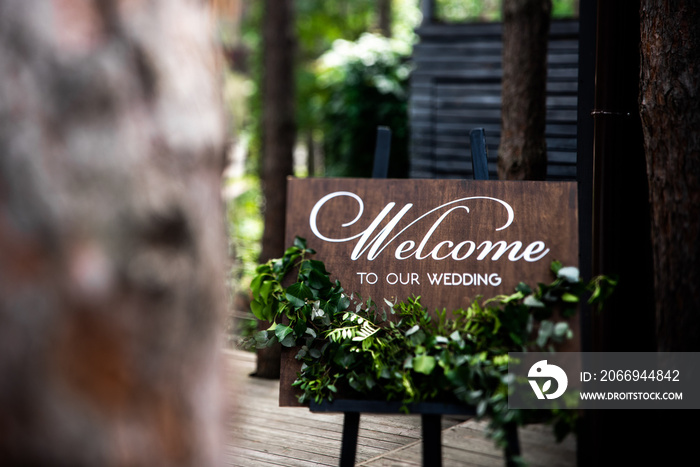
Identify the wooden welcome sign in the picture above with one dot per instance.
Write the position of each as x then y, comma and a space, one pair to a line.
447, 241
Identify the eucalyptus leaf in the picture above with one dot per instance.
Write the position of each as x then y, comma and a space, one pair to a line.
531, 301
261, 337
544, 333
288, 341
570, 274
481, 408
560, 329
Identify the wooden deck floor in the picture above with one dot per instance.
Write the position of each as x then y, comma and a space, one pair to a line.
260, 433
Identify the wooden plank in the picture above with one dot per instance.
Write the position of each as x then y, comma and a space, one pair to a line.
466, 444
278, 448
252, 457
261, 433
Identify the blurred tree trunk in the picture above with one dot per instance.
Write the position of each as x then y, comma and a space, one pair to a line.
670, 112
384, 7
112, 245
279, 137
523, 150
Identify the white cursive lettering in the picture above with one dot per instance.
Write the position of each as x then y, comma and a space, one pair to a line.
372, 241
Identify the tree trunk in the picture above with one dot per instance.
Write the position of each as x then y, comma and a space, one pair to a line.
523, 151
384, 15
112, 245
279, 137
670, 112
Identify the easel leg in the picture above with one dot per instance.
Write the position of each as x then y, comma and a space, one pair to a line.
432, 440
351, 426
513, 444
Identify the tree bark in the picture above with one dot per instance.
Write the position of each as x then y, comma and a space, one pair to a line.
279, 137
112, 245
523, 150
670, 113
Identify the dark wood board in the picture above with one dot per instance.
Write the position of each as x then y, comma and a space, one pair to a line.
537, 222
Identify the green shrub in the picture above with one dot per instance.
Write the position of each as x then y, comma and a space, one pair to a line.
363, 85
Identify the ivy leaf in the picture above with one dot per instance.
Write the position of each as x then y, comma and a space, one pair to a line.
261, 311
282, 331
298, 293
316, 274
315, 265
300, 242
319, 281
424, 364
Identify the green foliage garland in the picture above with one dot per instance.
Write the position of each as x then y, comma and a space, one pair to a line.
349, 347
